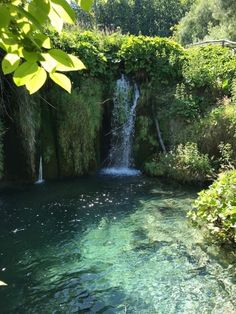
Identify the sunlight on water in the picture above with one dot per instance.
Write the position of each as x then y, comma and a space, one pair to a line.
145, 259
153, 258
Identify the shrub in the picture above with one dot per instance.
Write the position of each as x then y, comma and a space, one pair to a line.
215, 208
149, 58
185, 163
210, 66
216, 127
184, 106
86, 46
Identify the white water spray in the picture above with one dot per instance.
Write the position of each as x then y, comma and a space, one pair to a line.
123, 120
40, 175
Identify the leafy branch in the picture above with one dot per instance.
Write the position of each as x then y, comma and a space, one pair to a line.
29, 55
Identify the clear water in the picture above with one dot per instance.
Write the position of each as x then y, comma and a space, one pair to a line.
109, 245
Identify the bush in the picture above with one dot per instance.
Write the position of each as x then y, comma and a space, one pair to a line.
85, 45
215, 208
184, 106
216, 127
149, 58
211, 66
185, 164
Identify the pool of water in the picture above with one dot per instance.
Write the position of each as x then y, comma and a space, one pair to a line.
109, 245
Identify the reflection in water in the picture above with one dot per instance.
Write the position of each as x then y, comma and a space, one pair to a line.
101, 245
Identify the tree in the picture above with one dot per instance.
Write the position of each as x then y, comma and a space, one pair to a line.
149, 17
28, 53
211, 19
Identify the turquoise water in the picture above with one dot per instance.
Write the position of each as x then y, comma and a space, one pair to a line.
109, 245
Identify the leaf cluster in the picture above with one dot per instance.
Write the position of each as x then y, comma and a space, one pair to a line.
149, 58
215, 208
29, 54
184, 163
210, 66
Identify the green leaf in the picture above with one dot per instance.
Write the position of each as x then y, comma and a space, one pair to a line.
19, 10
36, 81
24, 73
77, 64
4, 16
39, 9
30, 55
25, 27
64, 10
10, 62
85, 4
61, 80
56, 20
43, 40
61, 57
2, 283
58, 60
49, 63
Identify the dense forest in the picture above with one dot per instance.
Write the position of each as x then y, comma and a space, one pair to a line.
185, 120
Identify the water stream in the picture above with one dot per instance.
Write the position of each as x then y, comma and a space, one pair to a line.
40, 174
123, 120
109, 245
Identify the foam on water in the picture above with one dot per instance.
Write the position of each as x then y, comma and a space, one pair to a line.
120, 171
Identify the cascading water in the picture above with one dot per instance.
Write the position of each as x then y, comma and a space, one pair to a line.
40, 175
123, 120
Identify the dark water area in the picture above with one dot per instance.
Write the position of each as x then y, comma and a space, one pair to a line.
109, 245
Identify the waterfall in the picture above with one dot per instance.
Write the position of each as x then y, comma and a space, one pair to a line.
40, 175
123, 120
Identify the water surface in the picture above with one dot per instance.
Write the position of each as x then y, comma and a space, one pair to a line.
109, 245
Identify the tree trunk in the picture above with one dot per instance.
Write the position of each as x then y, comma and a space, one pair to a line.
159, 135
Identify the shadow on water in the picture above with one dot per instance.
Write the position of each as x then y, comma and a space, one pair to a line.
109, 245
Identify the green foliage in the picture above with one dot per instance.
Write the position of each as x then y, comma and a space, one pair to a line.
2, 131
27, 116
195, 24
185, 163
210, 66
215, 208
87, 46
233, 91
28, 50
104, 55
148, 17
149, 58
78, 121
185, 106
226, 160
212, 19
216, 127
